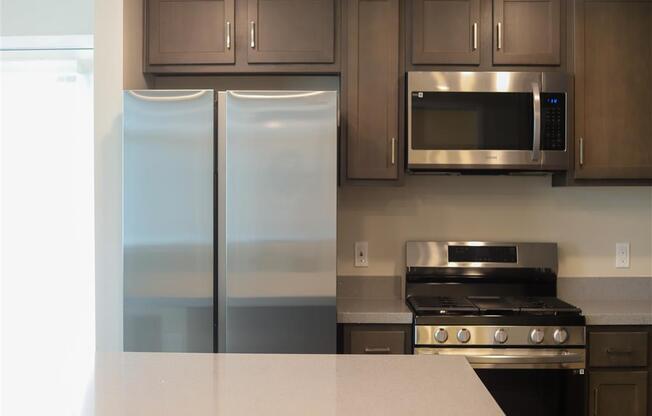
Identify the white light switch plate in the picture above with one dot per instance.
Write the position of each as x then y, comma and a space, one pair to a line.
622, 255
361, 254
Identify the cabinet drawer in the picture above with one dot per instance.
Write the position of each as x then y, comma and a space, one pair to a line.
618, 349
377, 342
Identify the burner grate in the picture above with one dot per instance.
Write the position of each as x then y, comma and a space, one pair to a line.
491, 305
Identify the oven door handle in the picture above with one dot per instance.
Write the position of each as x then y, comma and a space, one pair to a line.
536, 110
513, 358
525, 359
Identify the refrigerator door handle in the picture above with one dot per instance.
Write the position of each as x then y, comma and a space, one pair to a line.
143, 96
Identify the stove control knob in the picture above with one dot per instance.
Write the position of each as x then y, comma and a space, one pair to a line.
463, 335
536, 336
560, 335
441, 335
500, 336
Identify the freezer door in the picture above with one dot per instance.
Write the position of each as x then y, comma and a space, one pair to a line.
168, 171
277, 197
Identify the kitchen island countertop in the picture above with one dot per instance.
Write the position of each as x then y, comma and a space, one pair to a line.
269, 384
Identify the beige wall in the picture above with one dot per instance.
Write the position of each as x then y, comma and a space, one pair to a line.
586, 222
132, 65
108, 174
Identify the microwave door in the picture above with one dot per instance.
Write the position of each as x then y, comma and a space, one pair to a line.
473, 130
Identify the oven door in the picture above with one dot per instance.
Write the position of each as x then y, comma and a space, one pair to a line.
485, 120
528, 381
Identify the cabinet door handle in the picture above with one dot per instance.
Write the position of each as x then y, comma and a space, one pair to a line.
595, 401
581, 151
380, 350
393, 151
500, 35
474, 33
228, 35
252, 34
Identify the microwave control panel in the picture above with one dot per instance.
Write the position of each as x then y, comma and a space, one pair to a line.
553, 121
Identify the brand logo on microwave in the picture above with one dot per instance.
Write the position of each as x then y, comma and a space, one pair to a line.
492, 157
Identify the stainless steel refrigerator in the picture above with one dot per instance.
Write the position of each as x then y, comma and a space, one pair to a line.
229, 238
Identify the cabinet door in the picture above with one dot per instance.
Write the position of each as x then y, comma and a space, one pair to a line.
527, 32
291, 31
371, 88
190, 31
613, 89
622, 393
446, 32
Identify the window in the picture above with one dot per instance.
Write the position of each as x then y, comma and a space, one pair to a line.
47, 283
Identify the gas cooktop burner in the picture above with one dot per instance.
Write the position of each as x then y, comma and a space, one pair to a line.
490, 305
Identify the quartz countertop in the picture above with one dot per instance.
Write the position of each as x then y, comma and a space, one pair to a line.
610, 301
373, 311
268, 384
616, 312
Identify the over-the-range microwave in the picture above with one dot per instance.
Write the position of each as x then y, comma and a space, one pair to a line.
488, 121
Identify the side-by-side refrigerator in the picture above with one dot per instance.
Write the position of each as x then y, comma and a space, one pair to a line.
229, 221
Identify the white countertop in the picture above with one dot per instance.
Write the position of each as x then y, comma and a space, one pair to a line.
372, 311
268, 384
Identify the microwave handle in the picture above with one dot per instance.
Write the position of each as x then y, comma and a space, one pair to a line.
536, 108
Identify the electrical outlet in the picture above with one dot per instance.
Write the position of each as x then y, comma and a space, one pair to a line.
361, 252
622, 255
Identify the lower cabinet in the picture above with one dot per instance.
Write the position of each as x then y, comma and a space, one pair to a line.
375, 339
619, 373
618, 393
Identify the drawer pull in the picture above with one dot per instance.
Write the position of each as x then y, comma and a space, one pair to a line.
381, 350
619, 351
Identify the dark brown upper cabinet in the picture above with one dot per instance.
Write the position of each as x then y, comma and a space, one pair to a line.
613, 89
527, 32
618, 393
446, 32
242, 36
190, 32
370, 86
291, 31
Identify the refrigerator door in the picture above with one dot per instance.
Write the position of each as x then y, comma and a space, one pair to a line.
277, 196
168, 182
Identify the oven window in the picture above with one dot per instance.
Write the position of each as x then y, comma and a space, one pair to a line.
472, 121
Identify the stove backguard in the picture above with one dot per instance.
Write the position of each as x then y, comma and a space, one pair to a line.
480, 269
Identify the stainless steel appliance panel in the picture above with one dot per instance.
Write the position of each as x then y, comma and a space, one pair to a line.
277, 178
483, 335
168, 220
435, 254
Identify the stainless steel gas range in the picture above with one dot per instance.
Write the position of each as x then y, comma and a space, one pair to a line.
496, 304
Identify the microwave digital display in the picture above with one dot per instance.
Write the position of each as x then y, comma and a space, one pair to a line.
553, 123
